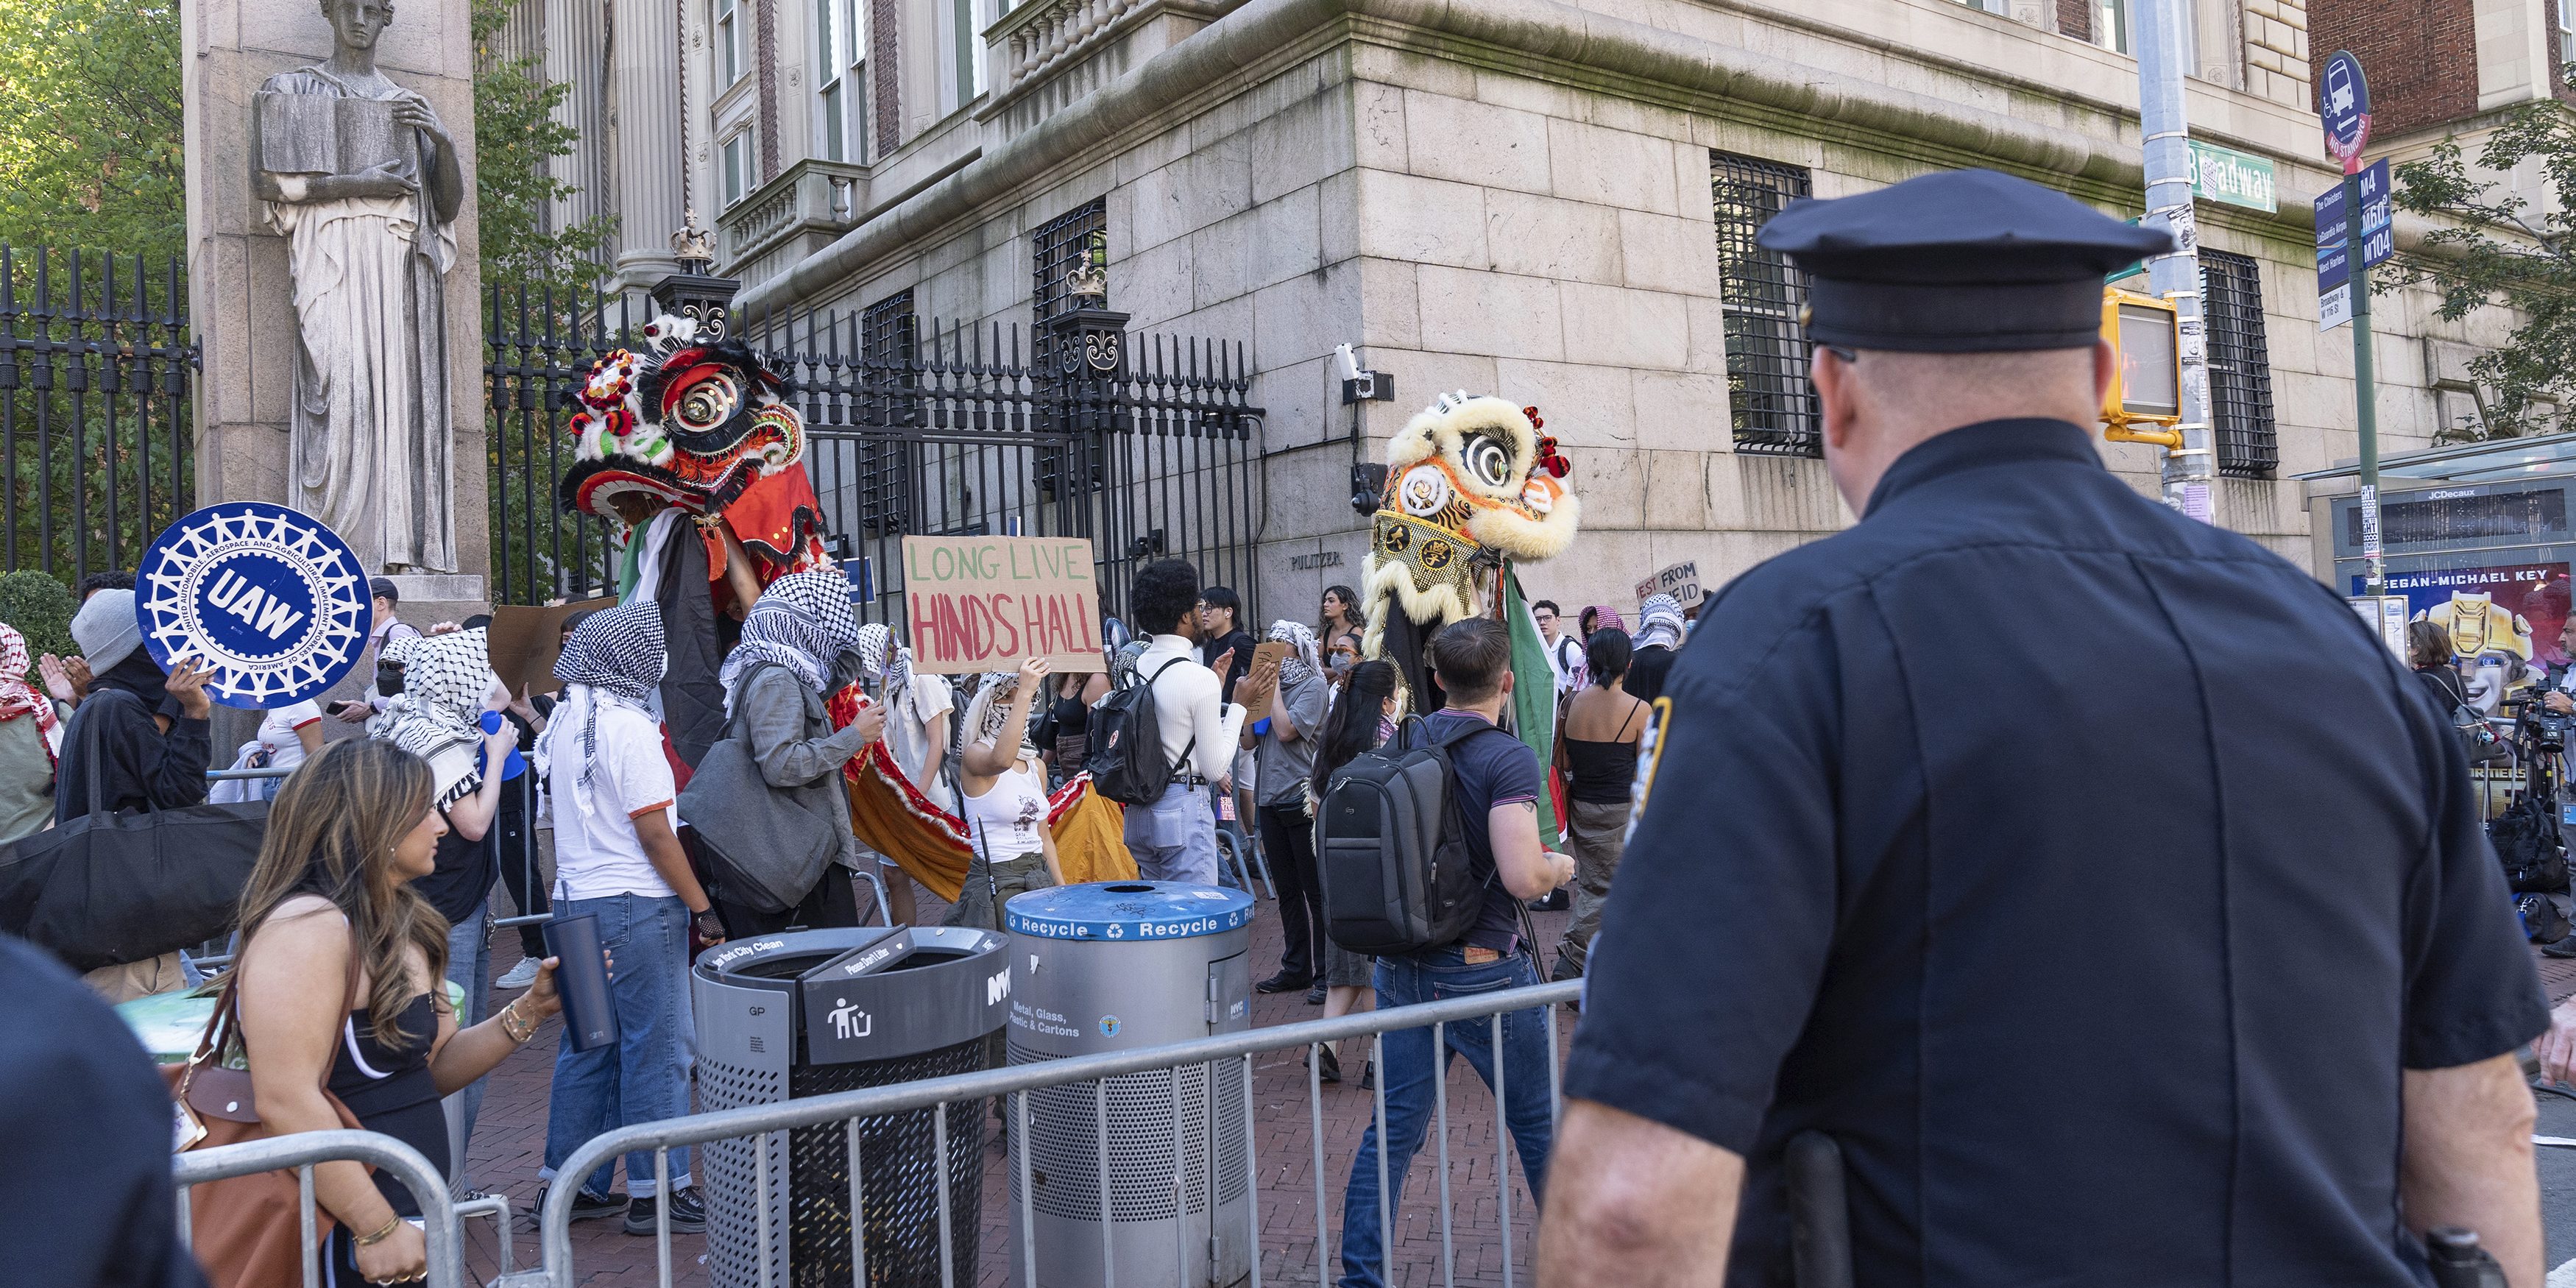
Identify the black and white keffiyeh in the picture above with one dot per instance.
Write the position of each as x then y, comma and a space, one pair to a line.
1305, 658
991, 709
615, 655
446, 679
802, 622
883, 660
1660, 621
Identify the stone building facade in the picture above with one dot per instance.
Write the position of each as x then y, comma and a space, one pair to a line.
1545, 200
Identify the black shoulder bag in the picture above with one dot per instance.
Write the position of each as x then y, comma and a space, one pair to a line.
109, 888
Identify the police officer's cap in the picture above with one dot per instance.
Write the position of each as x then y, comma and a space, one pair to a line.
1963, 261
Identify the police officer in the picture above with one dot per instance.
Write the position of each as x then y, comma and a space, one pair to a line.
2014, 868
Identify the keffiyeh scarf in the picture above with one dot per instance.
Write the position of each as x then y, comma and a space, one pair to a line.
802, 622
1606, 618
1305, 658
880, 658
991, 709
19, 698
615, 655
446, 679
1659, 621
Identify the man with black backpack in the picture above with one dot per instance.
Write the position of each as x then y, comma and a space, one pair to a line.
1491, 812
1161, 745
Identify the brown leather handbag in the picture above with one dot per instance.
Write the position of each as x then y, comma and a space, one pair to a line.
245, 1230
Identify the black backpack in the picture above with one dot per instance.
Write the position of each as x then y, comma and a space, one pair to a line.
1127, 764
1391, 846
2526, 839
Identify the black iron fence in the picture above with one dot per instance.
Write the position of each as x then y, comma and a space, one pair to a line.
913, 428
96, 369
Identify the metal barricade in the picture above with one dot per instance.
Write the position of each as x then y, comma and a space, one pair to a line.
850, 1108
303, 1150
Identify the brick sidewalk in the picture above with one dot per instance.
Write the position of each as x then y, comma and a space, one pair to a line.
510, 1140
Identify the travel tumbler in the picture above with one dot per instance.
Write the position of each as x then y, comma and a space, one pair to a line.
581, 979
511, 768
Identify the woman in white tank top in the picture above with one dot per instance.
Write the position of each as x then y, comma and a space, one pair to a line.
1002, 792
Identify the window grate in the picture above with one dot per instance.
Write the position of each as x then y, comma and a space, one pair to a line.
1766, 349
1057, 249
890, 348
2240, 365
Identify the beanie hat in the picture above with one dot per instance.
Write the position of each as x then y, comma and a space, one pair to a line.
106, 630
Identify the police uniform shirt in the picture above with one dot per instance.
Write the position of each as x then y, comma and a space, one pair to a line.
2088, 873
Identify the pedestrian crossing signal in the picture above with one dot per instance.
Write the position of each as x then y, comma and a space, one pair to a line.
2144, 402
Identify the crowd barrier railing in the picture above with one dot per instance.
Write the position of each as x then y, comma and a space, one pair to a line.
1217, 1055
303, 1150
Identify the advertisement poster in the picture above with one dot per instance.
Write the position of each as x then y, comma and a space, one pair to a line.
2503, 620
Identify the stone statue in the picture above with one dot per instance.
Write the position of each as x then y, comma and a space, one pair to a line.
359, 176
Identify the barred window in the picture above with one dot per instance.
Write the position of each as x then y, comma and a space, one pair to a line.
2240, 365
1766, 349
889, 346
1061, 245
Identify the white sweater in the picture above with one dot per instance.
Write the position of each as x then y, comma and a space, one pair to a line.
1190, 704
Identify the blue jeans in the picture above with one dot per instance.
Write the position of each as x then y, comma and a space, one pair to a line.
645, 1077
469, 967
1407, 1077
1174, 839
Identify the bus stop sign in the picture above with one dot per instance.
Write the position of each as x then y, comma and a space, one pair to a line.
2343, 101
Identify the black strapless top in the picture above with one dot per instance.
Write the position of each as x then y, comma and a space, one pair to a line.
391, 1091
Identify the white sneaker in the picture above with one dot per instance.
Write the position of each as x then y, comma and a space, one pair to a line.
520, 976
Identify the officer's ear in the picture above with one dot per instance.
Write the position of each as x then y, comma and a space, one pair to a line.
2106, 364
1837, 395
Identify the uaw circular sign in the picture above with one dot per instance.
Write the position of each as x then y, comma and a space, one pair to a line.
273, 602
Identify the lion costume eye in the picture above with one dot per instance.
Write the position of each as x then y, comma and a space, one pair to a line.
1488, 460
707, 402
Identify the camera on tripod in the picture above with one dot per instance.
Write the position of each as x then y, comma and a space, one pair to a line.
2535, 726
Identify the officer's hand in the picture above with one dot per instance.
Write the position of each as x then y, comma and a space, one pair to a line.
2559, 702
2557, 1047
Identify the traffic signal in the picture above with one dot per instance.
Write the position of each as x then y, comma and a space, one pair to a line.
2144, 402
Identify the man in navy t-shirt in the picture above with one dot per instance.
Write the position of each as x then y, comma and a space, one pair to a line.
1497, 785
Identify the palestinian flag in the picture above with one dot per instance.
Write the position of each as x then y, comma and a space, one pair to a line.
1533, 709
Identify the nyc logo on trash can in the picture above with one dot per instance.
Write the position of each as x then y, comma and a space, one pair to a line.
273, 602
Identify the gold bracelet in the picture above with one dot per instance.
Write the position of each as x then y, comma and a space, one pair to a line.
371, 1240
510, 1022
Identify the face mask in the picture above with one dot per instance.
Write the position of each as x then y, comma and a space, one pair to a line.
389, 679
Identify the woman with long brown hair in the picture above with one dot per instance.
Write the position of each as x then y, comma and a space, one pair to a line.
340, 987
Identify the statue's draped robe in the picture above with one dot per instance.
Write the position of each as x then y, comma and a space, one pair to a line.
370, 439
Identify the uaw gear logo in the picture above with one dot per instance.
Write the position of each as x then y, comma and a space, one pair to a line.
271, 601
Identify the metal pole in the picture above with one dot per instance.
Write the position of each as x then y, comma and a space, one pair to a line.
2365, 390
2163, 53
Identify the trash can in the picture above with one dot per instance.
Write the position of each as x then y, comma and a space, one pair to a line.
813, 1012
1112, 967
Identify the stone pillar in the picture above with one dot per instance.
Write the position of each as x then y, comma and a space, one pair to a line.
646, 151
240, 291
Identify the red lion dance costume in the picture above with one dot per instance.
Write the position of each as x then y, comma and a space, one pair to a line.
694, 428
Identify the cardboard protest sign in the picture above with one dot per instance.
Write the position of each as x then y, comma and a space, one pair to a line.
525, 642
1681, 581
985, 603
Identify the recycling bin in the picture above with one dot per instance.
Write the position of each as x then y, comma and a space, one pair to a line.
813, 1012
1115, 966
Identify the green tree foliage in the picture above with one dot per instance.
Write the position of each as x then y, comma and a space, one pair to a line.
41, 609
90, 126
2506, 250
518, 138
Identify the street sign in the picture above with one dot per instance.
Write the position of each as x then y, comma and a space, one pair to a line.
272, 601
2343, 102
2235, 178
2378, 241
